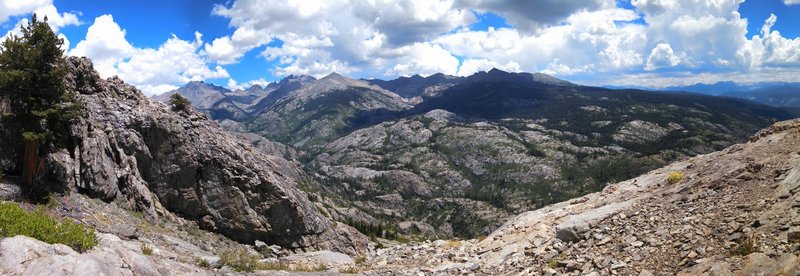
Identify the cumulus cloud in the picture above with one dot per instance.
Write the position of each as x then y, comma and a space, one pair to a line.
791, 2
42, 9
603, 45
530, 16
472, 66
57, 20
424, 59
318, 37
105, 44
771, 49
154, 71
662, 56
9, 8
234, 85
589, 41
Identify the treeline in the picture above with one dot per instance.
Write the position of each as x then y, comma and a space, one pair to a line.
380, 230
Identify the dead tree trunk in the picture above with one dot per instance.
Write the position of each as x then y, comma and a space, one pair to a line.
31, 164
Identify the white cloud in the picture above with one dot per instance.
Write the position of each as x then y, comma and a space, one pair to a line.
581, 40
154, 71
10, 8
105, 44
234, 85
230, 49
791, 2
662, 56
706, 31
587, 41
530, 16
771, 49
472, 66
55, 19
424, 59
360, 37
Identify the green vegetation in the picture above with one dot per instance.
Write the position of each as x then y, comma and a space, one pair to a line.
453, 244
360, 260
674, 177
146, 249
373, 230
240, 260
746, 247
349, 270
274, 266
40, 225
553, 263
32, 82
36, 108
179, 103
202, 263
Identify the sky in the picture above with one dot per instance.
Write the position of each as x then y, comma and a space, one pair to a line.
160, 45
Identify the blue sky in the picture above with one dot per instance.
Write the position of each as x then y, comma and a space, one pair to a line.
160, 45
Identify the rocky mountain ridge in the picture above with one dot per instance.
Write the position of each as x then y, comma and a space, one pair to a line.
129, 149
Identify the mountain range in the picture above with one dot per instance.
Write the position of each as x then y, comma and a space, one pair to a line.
778, 94
445, 156
493, 174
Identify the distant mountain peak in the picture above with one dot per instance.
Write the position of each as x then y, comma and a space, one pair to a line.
297, 78
495, 71
334, 75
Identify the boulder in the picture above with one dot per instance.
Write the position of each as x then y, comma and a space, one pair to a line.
324, 257
573, 227
10, 192
22, 255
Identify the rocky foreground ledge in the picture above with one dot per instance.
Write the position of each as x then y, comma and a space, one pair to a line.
734, 212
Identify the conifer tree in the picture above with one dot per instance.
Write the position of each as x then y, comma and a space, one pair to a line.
37, 105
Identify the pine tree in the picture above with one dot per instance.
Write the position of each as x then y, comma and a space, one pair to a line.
179, 103
37, 106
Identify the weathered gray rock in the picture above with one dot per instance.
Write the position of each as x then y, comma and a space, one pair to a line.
136, 151
639, 132
9, 192
325, 257
574, 227
22, 255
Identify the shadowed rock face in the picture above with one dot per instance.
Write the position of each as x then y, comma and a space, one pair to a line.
136, 151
